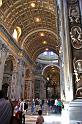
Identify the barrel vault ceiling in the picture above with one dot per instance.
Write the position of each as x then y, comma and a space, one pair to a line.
38, 22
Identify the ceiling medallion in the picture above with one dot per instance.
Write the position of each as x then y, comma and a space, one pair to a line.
76, 37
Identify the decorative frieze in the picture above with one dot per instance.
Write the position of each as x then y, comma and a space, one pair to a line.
75, 23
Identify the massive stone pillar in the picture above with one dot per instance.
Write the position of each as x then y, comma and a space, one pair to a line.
42, 89
29, 83
67, 57
20, 78
80, 4
14, 83
3, 55
17, 84
65, 41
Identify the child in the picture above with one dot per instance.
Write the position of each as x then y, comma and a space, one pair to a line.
40, 118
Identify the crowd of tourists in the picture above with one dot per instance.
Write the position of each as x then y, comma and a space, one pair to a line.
47, 105
14, 112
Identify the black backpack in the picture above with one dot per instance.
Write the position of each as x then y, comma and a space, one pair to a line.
25, 106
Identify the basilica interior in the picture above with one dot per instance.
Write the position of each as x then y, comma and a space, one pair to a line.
41, 49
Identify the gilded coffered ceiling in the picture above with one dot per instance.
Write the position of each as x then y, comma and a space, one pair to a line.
37, 20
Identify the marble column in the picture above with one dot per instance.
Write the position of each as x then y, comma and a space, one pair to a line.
42, 89
17, 84
3, 55
80, 4
14, 84
31, 84
20, 79
67, 57
65, 40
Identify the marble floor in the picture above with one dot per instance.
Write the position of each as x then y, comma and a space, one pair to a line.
49, 118
64, 118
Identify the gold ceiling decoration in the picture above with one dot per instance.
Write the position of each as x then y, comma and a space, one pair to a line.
17, 33
33, 17
1, 3
44, 42
32, 4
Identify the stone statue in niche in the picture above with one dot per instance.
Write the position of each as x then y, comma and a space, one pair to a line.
76, 37
74, 14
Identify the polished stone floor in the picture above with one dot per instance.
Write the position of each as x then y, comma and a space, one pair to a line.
62, 118
49, 118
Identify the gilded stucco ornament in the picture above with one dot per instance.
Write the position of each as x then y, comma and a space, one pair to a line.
74, 14
76, 37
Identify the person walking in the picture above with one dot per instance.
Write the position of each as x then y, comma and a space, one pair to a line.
40, 119
22, 111
33, 107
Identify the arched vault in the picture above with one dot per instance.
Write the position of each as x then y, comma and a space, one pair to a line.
34, 18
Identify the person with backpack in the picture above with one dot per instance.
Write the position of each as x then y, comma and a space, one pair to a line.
25, 105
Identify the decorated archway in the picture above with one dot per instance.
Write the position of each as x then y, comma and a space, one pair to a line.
7, 76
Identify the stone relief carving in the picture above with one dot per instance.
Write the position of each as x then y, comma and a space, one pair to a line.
72, 1
74, 14
79, 92
76, 37
78, 76
78, 66
3, 47
3, 51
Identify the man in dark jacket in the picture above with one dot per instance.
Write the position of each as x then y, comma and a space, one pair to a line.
5, 110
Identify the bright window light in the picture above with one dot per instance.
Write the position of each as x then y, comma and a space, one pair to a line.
52, 53
45, 53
